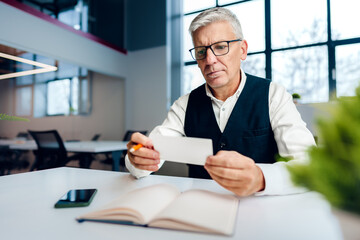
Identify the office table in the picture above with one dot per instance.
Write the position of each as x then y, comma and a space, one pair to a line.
27, 209
115, 147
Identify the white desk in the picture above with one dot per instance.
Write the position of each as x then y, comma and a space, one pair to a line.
27, 212
115, 147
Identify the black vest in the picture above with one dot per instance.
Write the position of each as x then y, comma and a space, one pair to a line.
248, 130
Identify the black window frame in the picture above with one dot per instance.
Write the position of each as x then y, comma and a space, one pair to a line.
330, 44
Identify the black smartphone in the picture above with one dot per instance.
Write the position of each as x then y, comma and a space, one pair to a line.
76, 198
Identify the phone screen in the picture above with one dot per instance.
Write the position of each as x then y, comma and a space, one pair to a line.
76, 198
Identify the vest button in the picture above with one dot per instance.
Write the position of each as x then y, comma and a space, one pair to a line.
222, 145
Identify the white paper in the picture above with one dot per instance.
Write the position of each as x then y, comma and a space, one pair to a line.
183, 149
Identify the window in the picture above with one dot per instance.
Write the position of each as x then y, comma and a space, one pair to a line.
192, 78
23, 101
64, 92
290, 42
58, 93
303, 71
72, 13
344, 19
348, 69
295, 23
252, 19
255, 65
191, 6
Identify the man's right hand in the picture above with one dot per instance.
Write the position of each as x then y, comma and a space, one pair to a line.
146, 157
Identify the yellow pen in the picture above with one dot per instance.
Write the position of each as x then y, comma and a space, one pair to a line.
136, 147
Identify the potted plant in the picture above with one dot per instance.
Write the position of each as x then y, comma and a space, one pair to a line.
4, 116
334, 167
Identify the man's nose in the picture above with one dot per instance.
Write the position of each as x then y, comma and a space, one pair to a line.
210, 57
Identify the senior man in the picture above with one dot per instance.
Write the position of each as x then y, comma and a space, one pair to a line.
250, 120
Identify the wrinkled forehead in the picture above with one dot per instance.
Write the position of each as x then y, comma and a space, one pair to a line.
213, 32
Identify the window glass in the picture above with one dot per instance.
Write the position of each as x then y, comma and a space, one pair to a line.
67, 70
345, 19
76, 17
222, 2
191, 5
303, 71
297, 23
85, 98
71, 18
23, 101
254, 65
20, 67
39, 100
347, 69
58, 95
192, 78
84, 72
252, 19
187, 41
24, 80
75, 95
43, 77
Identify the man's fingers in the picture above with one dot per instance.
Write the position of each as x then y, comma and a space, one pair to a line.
233, 186
146, 167
146, 153
227, 173
144, 161
137, 138
229, 159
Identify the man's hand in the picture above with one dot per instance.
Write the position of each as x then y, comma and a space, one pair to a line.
235, 172
146, 157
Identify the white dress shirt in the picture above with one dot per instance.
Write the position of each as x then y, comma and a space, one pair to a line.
290, 133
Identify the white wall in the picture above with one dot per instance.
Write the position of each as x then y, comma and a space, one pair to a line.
146, 89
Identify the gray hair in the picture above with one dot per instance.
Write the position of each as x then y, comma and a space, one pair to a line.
217, 14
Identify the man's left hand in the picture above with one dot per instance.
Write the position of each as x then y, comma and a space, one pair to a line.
235, 172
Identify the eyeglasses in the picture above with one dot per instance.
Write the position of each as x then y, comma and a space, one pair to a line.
218, 49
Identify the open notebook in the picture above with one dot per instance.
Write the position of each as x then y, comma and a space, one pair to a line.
164, 206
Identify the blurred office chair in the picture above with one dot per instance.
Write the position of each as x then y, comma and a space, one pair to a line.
128, 134
11, 160
51, 151
96, 137
23, 135
126, 137
85, 159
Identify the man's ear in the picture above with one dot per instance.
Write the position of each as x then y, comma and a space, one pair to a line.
243, 49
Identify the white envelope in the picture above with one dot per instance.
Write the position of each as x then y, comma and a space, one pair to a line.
183, 149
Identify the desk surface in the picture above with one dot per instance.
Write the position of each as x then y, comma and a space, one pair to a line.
27, 212
81, 146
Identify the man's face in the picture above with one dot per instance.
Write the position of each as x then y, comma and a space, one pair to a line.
220, 72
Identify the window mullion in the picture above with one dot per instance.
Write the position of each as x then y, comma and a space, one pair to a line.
268, 49
331, 55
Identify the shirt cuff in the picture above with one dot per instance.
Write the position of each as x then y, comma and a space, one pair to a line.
277, 180
138, 173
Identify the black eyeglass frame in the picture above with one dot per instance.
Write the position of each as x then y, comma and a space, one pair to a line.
210, 46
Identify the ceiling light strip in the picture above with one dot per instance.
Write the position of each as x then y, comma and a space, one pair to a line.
25, 73
23, 60
44, 67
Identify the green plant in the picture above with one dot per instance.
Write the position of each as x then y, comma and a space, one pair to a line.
4, 116
334, 167
296, 96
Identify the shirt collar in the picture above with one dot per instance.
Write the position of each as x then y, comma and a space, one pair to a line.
236, 94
